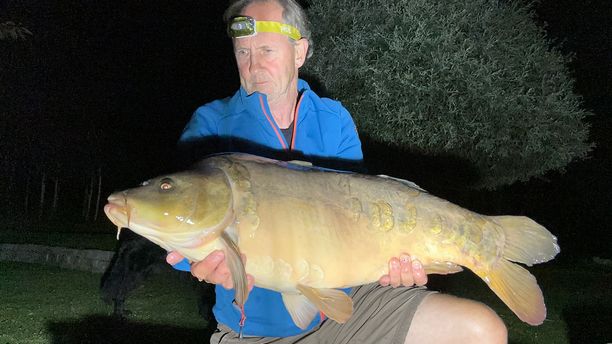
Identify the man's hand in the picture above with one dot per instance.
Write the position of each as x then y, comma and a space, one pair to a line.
404, 271
212, 269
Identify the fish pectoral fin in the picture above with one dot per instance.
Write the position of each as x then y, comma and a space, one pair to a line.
442, 268
236, 267
302, 311
334, 303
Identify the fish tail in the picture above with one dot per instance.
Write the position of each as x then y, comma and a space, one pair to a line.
529, 243
518, 289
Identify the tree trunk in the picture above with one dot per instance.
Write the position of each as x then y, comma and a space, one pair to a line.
55, 196
27, 195
41, 205
87, 198
99, 194
84, 212
90, 195
10, 186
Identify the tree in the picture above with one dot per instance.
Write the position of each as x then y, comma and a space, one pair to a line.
474, 80
12, 31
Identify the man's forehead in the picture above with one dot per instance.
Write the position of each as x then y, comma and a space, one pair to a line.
264, 10
261, 40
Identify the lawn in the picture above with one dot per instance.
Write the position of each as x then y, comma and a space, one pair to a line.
42, 304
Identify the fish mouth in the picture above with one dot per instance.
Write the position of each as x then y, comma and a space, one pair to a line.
118, 211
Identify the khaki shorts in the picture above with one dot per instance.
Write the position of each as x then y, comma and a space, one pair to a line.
381, 315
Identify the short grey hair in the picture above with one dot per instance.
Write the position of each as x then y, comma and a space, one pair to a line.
293, 14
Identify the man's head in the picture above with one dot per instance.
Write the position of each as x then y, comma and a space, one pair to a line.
293, 14
268, 62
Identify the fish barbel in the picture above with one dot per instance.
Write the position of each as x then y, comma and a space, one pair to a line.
307, 231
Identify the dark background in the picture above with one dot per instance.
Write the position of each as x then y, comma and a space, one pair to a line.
111, 84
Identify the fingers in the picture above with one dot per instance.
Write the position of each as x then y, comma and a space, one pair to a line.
384, 280
212, 269
251, 282
404, 271
174, 258
394, 272
418, 273
406, 277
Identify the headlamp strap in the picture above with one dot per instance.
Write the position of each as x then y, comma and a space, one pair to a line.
276, 27
245, 26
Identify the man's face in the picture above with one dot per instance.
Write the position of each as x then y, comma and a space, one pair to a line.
268, 62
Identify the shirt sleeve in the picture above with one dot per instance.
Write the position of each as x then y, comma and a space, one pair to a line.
349, 148
201, 125
183, 265
200, 136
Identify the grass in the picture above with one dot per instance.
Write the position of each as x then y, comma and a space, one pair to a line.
42, 304
49, 305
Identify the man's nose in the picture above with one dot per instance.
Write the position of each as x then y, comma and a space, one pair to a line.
254, 63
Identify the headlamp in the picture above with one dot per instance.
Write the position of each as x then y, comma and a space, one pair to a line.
245, 26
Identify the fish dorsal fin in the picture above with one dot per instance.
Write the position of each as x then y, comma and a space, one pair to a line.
302, 311
236, 267
334, 303
403, 181
442, 268
300, 163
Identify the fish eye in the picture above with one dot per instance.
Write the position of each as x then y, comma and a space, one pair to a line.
166, 184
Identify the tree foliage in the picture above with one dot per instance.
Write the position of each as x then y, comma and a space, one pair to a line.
12, 31
474, 79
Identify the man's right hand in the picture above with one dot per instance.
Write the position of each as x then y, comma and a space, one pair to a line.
212, 269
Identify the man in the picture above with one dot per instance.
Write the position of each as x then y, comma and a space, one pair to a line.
276, 114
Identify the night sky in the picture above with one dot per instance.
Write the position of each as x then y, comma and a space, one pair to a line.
111, 84
120, 78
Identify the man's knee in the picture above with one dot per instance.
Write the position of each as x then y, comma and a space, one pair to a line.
486, 325
447, 319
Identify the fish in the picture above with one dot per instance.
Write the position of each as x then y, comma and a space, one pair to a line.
309, 231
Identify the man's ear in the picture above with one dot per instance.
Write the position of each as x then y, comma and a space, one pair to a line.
301, 49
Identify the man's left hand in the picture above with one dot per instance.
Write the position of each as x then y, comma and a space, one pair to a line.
404, 271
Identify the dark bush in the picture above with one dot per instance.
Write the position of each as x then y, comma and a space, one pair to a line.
472, 79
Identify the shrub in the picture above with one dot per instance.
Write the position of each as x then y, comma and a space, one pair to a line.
474, 79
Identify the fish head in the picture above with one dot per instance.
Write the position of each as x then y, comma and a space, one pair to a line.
176, 211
